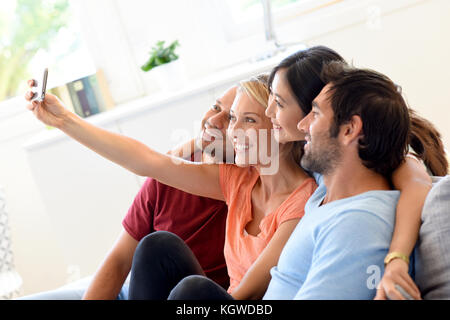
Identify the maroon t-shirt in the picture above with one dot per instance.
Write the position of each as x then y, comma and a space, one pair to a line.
199, 221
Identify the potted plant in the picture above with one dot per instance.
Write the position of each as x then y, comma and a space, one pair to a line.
165, 65
160, 55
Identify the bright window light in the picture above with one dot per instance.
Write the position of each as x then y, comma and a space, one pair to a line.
39, 34
245, 10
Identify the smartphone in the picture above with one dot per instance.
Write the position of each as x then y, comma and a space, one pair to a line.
402, 292
39, 95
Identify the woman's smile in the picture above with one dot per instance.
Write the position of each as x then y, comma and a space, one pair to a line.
240, 147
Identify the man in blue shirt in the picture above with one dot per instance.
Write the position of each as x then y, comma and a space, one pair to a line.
356, 136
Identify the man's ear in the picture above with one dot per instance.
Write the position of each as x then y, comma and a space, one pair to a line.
352, 130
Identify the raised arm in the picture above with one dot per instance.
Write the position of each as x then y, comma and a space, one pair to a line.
195, 178
414, 183
185, 149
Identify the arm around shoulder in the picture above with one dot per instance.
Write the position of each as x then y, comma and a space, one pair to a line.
414, 183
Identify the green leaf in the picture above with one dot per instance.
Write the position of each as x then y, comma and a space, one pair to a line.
160, 55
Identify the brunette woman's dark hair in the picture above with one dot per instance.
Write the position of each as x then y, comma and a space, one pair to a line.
426, 143
303, 70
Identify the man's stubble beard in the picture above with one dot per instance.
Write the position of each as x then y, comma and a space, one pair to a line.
324, 157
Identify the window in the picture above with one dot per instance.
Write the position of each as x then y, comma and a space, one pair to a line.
247, 10
243, 18
39, 34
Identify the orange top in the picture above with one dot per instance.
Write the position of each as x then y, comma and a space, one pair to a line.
242, 249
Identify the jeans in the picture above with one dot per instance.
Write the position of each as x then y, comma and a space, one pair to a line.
72, 291
198, 288
160, 261
164, 267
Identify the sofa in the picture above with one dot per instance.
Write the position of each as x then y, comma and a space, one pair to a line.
432, 251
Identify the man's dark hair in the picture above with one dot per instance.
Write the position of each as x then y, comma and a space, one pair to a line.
383, 111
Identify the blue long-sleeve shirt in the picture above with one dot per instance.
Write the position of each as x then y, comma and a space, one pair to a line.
337, 249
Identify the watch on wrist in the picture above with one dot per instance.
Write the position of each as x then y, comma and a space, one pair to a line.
394, 255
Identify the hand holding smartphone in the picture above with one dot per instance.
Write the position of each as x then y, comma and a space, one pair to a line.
41, 85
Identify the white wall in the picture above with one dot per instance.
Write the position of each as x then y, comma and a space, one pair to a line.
38, 257
410, 45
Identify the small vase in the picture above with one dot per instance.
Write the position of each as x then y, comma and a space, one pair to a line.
168, 77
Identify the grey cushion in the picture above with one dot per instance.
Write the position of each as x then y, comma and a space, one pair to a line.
432, 253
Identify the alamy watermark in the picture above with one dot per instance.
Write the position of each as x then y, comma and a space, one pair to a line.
374, 278
248, 147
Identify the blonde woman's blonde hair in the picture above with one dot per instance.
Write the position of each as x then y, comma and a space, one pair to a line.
257, 87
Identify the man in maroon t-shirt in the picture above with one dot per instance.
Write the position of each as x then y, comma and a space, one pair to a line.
199, 221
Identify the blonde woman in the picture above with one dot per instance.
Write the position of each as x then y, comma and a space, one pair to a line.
266, 192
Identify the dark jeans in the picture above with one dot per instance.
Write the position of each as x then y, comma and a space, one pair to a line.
162, 262
198, 288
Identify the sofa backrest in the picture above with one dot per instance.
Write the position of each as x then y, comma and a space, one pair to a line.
432, 252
